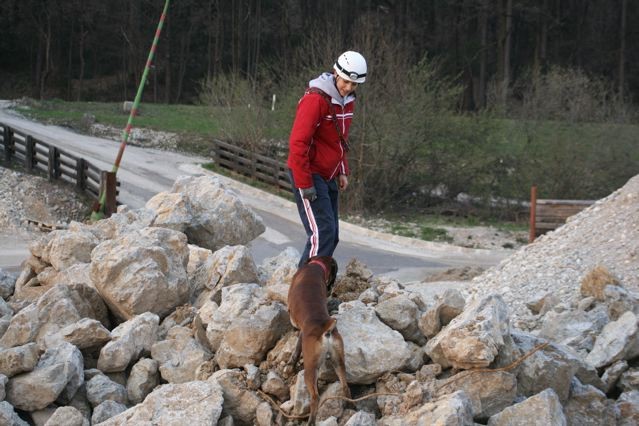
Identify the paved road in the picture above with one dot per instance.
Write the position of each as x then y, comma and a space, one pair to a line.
145, 172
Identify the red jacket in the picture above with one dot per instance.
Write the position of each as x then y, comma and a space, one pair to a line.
314, 144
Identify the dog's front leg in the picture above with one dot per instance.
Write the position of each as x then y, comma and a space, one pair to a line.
298, 350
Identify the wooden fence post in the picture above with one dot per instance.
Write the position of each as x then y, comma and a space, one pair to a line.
29, 155
533, 212
216, 153
54, 163
253, 165
81, 174
9, 144
108, 184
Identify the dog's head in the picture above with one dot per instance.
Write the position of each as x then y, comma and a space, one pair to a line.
330, 265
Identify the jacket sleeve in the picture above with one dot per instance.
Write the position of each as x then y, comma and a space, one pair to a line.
307, 118
343, 167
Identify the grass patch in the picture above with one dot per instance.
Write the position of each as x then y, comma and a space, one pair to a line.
170, 118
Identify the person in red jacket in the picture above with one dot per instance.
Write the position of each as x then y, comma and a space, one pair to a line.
318, 146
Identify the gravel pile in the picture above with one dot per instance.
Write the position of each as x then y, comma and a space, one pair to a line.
25, 197
606, 234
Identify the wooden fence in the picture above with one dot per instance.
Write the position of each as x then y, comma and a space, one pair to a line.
36, 155
255, 166
547, 215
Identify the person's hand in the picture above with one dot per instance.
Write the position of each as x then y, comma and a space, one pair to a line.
309, 193
343, 182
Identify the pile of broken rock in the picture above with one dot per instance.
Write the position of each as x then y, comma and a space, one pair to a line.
160, 316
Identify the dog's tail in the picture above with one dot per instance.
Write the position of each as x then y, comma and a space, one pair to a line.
329, 327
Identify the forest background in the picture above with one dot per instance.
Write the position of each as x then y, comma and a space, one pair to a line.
464, 100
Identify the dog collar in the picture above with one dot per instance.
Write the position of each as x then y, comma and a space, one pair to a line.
321, 264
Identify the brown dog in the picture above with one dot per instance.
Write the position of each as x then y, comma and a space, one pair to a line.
319, 338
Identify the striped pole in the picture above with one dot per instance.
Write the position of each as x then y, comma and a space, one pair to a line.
99, 212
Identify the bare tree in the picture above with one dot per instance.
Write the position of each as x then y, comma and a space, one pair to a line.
622, 48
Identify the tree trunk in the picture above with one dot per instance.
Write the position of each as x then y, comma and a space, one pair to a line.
167, 63
483, 31
47, 57
507, 44
185, 52
622, 48
70, 60
209, 40
83, 37
541, 44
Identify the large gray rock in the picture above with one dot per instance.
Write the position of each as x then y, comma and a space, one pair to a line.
612, 374
543, 409
193, 403
179, 355
74, 274
219, 217
144, 271
58, 375
236, 299
67, 416
551, 367
239, 402
361, 418
19, 359
451, 410
230, 265
172, 210
66, 248
250, 336
7, 284
371, 348
197, 272
279, 270
401, 313
8, 416
124, 221
489, 392
628, 409
629, 380
574, 328
3, 383
472, 339
274, 385
101, 388
107, 410
86, 333
143, 379
5, 309
227, 266
618, 340
588, 406
129, 341
59, 307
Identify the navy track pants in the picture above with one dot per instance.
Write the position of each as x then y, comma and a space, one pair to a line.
320, 218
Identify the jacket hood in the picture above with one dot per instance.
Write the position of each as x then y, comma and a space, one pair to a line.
326, 83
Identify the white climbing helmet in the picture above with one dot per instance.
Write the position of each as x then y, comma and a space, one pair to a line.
351, 66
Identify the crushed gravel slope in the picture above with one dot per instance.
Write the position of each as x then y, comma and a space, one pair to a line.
606, 234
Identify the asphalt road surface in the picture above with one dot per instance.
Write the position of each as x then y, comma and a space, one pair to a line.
144, 172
